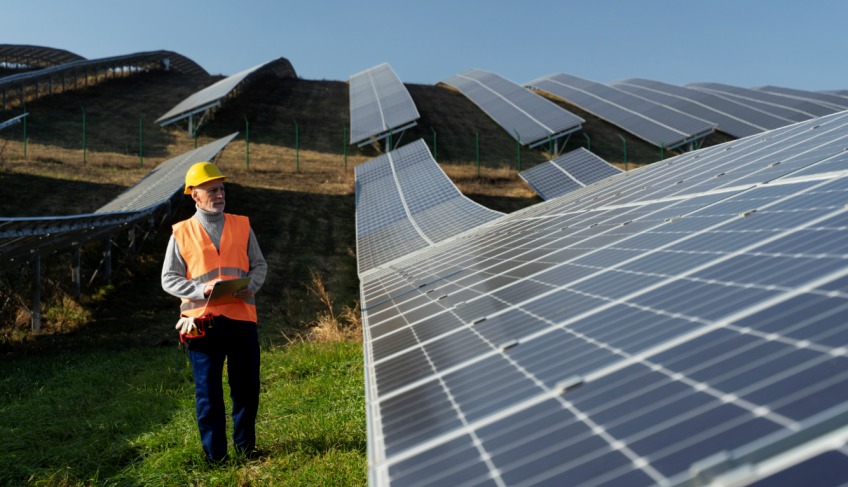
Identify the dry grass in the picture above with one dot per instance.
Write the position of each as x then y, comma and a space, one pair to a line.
331, 327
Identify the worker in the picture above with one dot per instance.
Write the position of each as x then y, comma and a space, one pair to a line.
209, 247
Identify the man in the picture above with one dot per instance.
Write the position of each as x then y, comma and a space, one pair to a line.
209, 247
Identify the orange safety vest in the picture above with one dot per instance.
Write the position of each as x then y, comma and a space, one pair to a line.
204, 263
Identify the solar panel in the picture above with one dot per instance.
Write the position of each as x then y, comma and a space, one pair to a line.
35, 56
662, 327
570, 172
827, 469
768, 101
513, 107
23, 238
837, 92
835, 101
213, 95
404, 203
12, 121
732, 118
654, 123
378, 102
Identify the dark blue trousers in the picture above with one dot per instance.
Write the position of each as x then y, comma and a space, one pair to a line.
237, 342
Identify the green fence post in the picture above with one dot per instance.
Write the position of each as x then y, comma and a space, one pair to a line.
662, 150
296, 145
435, 149
519, 148
588, 142
25, 129
140, 140
83, 135
344, 143
478, 153
246, 143
625, 151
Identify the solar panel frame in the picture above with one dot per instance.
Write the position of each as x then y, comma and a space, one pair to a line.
746, 95
522, 113
732, 118
652, 122
486, 391
379, 101
569, 172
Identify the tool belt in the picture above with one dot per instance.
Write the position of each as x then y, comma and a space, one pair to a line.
209, 339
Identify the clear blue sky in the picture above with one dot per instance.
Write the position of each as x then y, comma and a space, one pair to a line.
748, 43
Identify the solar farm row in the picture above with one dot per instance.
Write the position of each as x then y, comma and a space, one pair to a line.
664, 326
379, 102
567, 173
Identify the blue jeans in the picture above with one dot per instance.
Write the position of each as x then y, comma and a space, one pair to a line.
238, 343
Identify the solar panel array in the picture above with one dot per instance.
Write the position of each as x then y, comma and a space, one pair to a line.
662, 327
567, 173
23, 238
835, 101
214, 94
513, 107
35, 56
837, 92
378, 102
12, 121
793, 109
654, 123
730, 117
404, 203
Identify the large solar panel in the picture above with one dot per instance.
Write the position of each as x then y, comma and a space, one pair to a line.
837, 92
654, 123
404, 203
513, 107
35, 56
23, 238
212, 96
783, 106
570, 172
378, 102
732, 118
663, 328
836, 101
12, 121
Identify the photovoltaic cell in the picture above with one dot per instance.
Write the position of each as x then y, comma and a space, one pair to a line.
795, 109
654, 123
405, 202
731, 117
838, 102
513, 107
378, 102
627, 333
569, 172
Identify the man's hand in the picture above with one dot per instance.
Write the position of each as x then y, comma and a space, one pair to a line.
245, 293
186, 326
210, 285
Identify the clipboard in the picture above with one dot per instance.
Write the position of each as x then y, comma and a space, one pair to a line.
222, 292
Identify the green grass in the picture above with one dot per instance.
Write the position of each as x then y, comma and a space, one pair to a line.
127, 418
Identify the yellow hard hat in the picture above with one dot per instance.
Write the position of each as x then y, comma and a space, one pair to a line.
200, 173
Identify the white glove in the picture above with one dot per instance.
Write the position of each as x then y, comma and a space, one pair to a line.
186, 326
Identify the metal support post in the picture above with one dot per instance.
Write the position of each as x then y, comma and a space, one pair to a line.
519, 148
588, 142
344, 143
247, 143
25, 134
83, 136
662, 150
391, 136
36, 294
107, 258
435, 149
625, 151
478, 152
76, 278
131, 236
550, 148
140, 140
296, 145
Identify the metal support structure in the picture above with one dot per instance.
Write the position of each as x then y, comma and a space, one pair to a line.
25, 134
551, 148
625, 151
76, 278
344, 143
247, 143
478, 152
36, 294
662, 150
435, 148
391, 136
107, 258
83, 136
296, 145
140, 140
519, 149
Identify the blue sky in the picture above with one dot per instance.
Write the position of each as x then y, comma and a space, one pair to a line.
746, 43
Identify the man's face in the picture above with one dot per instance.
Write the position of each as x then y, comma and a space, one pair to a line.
209, 196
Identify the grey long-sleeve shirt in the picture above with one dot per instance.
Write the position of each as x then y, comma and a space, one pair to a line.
174, 272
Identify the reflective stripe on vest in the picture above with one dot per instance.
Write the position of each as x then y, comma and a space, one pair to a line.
204, 263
